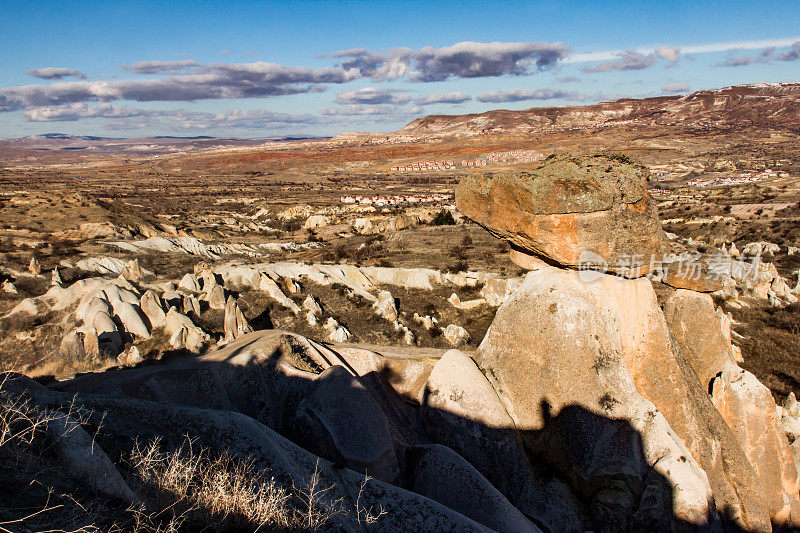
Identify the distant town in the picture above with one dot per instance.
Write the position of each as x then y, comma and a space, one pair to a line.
493, 158
744, 177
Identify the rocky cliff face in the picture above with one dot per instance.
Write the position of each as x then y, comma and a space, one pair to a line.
764, 105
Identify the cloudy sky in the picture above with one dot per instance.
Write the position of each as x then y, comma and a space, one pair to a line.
256, 69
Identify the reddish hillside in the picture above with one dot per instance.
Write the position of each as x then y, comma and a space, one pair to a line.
765, 105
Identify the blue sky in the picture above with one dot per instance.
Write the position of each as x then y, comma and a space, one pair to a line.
258, 69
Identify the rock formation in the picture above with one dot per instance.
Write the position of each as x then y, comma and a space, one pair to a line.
235, 322
567, 351
34, 267
569, 207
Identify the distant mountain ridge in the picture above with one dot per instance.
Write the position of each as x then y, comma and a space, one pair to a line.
761, 105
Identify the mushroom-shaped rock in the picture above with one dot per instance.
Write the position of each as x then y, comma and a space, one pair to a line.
569, 207
235, 322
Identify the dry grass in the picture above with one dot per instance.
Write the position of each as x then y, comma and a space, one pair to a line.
229, 491
183, 489
771, 345
197, 486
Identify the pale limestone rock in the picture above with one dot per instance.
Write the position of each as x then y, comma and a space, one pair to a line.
576, 365
291, 286
311, 318
461, 410
496, 290
311, 305
343, 422
456, 335
9, 287
190, 304
91, 343
72, 346
131, 357
362, 226
178, 338
151, 305
316, 221
34, 267
454, 300
408, 335
385, 306
134, 271
196, 338
267, 285
427, 321
336, 332
235, 322
83, 458
189, 283
216, 297
750, 411
55, 278
131, 320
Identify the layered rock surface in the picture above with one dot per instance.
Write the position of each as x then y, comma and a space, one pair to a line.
569, 206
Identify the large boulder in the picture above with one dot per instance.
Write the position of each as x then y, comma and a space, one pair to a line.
569, 206
440, 474
579, 367
747, 406
461, 410
341, 422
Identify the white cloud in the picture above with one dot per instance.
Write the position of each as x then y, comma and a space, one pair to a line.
467, 59
692, 49
443, 98
627, 60
677, 87
670, 53
372, 96
56, 73
518, 95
